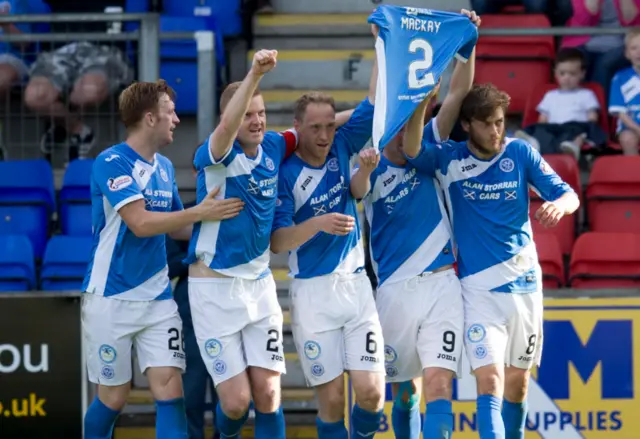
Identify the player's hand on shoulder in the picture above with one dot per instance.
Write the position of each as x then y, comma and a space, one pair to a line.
549, 214
368, 159
337, 223
475, 19
218, 210
264, 61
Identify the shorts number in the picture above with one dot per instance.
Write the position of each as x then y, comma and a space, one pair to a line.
422, 64
449, 341
175, 339
532, 344
272, 342
372, 346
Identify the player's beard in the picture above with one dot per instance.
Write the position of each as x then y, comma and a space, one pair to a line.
482, 147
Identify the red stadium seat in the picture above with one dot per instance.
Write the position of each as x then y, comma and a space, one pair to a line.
550, 258
605, 260
514, 64
565, 231
613, 195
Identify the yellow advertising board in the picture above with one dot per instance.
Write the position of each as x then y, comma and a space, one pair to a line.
586, 386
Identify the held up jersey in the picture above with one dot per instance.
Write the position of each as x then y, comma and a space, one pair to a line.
122, 265
413, 49
239, 247
488, 202
410, 230
305, 192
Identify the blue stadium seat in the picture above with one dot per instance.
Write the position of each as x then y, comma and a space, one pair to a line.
17, 267
65, 263
179, 59
39, 7
225, 12
75, 198
27, 200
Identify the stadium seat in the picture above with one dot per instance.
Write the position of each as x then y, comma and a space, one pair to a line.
605, 260
514, 64
613, 194
226, 13
75, 198
27, 200
550, 258
65, 262
17, 268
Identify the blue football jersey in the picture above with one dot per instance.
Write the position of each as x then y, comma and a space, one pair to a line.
239, 247
409, 227
122, 265
624, 96
305, 192
488, 202
413, 49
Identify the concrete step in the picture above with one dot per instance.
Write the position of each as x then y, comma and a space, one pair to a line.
307, 24
359, 6
321, 69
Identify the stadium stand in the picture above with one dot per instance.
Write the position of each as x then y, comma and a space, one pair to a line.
17, 267
75, 199
550, 256
65, 263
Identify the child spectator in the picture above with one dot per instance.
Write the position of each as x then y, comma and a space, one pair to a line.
568, 114
624, 98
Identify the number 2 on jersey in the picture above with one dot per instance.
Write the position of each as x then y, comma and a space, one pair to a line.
422, 64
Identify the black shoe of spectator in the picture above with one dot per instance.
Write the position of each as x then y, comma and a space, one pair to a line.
55, 135
80, 144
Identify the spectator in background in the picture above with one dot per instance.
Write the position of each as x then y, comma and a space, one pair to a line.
83, 74
624, 99
495, 6
568, 115
604, 53
195, 380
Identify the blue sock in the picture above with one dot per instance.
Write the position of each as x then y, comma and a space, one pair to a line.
270, 425
514, 415
331, 430
171, 419
438, 421
99, 421
229, 428
364, 423
490, 424
405, 422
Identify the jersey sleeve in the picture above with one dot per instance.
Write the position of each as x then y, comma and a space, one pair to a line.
21, 7
115, 180
291, 142
285, 205
176, 202
426, 161
355, 134
470, 42
616, 100
542, 177
281, 145
204, 158
430, 133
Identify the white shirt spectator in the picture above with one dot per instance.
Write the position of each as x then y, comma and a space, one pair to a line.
562, 106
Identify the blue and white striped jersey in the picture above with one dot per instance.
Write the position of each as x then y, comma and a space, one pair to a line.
239, 247
122, 265
624, 95
488, 201
305, 191
409, 227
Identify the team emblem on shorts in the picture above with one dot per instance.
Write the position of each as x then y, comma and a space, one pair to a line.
213, 347
332, 165
317, 369
506, 165
164, 176
390, 355
107, 372
480, 352
312, 350
107, 354
476, 333
269, 164
392, 371
219, 367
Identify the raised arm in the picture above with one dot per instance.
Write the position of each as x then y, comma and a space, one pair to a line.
361, 180
373, 81
223, 136
412, 138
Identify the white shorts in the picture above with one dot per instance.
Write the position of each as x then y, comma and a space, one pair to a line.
335, 326
112, 326
503, 328
422, 323
238, 323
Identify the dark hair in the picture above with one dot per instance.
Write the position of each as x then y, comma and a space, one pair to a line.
482, 101
140, 98
314, 97
571, 54
228, 93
